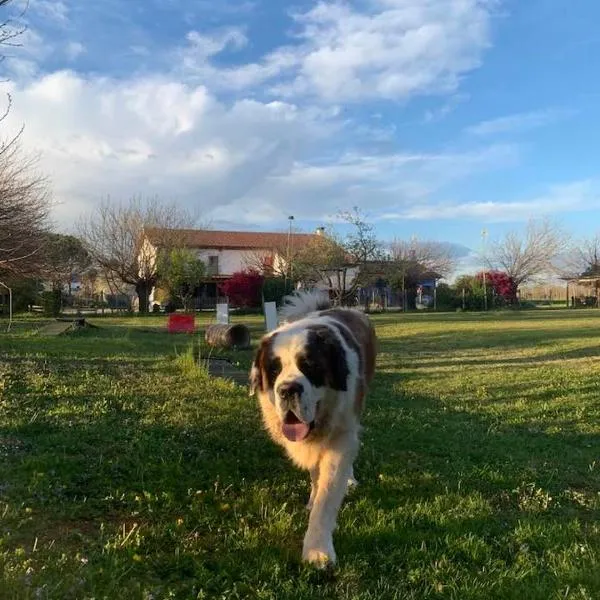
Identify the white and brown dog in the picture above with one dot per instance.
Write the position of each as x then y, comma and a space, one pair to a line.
311, 375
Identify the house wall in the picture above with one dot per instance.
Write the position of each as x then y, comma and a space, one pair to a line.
230, 261
351, 275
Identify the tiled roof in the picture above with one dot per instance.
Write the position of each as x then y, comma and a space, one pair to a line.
242, 240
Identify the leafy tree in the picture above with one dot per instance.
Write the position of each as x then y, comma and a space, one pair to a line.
180, 272
275, 288
470, 292
65, 258
324, 261
341, 263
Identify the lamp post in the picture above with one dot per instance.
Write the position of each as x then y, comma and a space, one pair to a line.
483, 236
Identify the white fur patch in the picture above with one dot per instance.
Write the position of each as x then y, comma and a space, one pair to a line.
303, 303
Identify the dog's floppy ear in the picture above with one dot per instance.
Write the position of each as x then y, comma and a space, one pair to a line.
256, 380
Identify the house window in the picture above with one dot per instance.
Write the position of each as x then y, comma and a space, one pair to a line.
213, 265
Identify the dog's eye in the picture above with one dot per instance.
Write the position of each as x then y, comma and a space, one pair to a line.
273, 370
312, 370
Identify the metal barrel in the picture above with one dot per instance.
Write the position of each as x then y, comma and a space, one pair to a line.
228, 336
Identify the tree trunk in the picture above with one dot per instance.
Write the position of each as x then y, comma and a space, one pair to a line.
143, 289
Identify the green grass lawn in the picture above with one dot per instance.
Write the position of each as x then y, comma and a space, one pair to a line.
125, 472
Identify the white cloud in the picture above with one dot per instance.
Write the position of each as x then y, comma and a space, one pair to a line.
395, 50
203, 46
439, 113
260, 153
23, 60
573, 196
518, 122
151, 136
388, 50
318, 190
54, 10
248, 161
74, 50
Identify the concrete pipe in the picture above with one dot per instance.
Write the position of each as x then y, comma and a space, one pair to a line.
228, 336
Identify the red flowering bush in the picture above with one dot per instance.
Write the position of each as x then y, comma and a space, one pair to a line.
243, 289
503, 285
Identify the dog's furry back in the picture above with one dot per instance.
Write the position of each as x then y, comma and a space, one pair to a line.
298, 305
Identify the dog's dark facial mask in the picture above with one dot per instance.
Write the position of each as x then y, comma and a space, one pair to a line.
324, 361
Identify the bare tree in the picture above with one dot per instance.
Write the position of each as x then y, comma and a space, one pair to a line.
361, 243
124, 240
425, 255
325, 261
413, 260
11, 26
525, 257
24, 192
24, 212
268, 262
342, 264
582, 258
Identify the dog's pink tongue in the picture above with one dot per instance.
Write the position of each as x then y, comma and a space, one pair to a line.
294, 429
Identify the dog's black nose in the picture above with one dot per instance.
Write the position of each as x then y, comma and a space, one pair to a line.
290, 389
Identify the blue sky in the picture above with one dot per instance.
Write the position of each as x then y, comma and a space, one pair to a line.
439, 118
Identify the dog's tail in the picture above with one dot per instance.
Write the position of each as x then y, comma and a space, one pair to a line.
299, 304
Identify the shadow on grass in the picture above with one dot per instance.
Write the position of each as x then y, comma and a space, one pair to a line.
447, 498
486, 317
486, 339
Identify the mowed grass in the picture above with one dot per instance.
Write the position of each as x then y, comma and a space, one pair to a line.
126, 472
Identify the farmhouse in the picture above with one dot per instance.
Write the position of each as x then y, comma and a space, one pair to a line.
227, 252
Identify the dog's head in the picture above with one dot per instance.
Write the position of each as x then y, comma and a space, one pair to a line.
297, 368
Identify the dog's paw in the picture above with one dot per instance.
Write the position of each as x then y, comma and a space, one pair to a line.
319, 558
320, 555
352, 484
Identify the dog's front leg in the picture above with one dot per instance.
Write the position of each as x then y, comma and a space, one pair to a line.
335, 469
314, 483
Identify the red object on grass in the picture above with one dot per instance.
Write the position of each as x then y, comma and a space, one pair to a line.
181, 323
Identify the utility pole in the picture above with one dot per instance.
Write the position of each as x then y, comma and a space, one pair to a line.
485, 301
288, 266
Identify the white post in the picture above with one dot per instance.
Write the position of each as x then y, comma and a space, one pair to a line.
223, 313
270, 309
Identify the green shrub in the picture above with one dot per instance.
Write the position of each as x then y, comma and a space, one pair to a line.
51, 302
447, 297
275, 288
